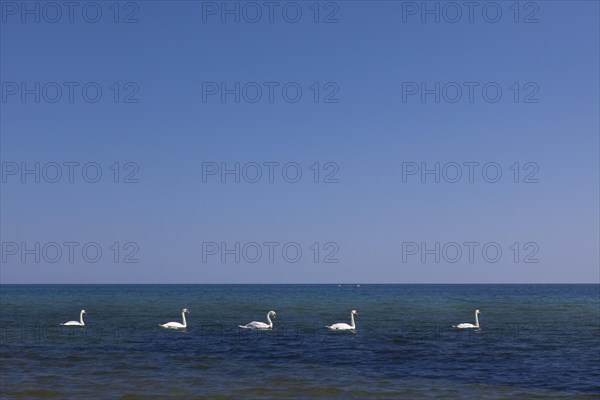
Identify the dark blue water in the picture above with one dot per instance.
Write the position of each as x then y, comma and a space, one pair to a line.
536, 341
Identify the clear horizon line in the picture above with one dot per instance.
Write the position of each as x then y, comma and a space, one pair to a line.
312, 283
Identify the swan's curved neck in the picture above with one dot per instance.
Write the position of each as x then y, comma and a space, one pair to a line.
269, 320
352, 321
184, 321
81, 318
476, 320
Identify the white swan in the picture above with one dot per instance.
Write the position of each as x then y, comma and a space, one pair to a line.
340, 326
177, 325
261, 325
76, 323
466, 325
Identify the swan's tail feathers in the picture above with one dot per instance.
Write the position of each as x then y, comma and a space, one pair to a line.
242, 326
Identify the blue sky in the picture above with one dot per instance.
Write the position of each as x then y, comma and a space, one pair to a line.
364, 128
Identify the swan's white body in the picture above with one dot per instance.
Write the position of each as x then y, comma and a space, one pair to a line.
177, 325
341, 326
261, 325
76, 323
466, 325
